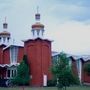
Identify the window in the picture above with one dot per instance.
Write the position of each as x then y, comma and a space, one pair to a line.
8, 73
12, 73
13, 54
15, 73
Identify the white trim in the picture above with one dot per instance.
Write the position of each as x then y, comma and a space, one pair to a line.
9, 65
70, 62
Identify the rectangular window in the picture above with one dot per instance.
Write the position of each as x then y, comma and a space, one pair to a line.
8, 73
12, 73
15, 72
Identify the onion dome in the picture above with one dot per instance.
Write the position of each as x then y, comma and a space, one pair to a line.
5, 33
37, 26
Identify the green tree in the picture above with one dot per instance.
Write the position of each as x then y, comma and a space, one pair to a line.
22, 77
62, 71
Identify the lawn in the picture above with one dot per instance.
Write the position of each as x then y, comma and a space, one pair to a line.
47, 88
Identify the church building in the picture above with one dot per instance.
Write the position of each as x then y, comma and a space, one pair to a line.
39, 53
37, 49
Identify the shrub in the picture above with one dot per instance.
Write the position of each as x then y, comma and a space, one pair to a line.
51, 83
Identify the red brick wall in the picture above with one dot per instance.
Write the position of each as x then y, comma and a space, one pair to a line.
46, 59
39, 58
1, 54
6, 56
20, 54
2, 72
74, 66
85, 76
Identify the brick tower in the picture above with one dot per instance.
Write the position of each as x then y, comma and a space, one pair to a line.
38, 51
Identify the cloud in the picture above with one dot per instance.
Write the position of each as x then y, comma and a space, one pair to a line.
71, 10
85, 3
71, 37
5, 1
5, 7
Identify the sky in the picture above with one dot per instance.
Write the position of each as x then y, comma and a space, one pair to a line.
67, 22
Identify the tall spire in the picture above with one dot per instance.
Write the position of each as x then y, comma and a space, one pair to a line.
5, 19
37, 8
37, 15
5, 25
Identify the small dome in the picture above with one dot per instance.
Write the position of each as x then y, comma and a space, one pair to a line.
38, 25
5, 33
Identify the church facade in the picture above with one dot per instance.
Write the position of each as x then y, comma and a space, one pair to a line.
39, 54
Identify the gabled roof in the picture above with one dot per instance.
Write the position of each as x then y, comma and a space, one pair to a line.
75, 57
12, 46
54, 53
36, 39
2, 45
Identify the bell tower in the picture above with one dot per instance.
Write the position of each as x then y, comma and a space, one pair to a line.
38, 51
5, 35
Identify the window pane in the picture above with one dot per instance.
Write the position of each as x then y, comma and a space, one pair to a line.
8, 73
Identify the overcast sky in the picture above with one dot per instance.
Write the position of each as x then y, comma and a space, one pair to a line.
67, 22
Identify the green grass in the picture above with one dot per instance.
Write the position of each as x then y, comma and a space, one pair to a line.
46, 88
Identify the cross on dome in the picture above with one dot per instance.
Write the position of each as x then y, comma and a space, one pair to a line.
5, 25
37, 15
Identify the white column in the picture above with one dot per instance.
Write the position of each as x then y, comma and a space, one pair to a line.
80, 70
1, 40
10, 73
35, 34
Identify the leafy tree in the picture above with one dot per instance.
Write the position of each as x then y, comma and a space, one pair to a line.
23, 72
63, 72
